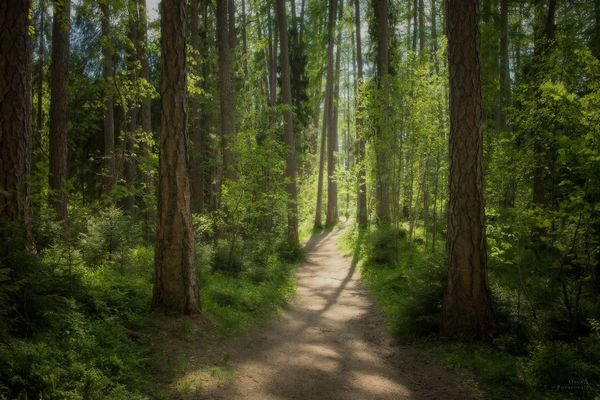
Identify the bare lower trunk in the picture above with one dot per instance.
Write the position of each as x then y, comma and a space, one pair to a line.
175, 278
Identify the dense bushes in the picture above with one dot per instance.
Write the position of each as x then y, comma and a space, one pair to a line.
74, 318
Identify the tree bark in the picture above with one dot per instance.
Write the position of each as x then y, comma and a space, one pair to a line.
224, 42
37, 138
16, 109
332, 136
59, 70
421, 27
381, 167
133, 110
175, 278
197, 134
148, 183
467, 308
328, 106
109, 118
415, 24
361, 195
544, 28
290, 156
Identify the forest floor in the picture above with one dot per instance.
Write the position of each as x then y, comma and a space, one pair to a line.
330, 343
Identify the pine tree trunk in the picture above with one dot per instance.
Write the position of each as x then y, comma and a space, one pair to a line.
290, 156
381, 147
224, 42
37, 136
196, 132
109, 118
467, 307
16, 109
415, 24
148, 183
421, 27
332, 136
328, 108
59, 70
361, 195
175, 278
133, 110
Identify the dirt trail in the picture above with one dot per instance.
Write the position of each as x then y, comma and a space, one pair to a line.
331, 344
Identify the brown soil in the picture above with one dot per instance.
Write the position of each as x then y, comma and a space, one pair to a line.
331, 344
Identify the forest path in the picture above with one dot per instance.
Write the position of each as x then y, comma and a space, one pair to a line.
331, 344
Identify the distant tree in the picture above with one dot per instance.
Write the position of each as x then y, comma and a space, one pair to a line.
361, 195
109, 113
175, 278
225, 41
59, 76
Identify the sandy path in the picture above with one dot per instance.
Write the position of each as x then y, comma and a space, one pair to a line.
331, 344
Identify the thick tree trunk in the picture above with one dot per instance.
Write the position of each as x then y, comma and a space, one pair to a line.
467, 307
16, 109
59, 70
175, 279
328, 107
109, 117
361, 195
224, 41
332, 136
290, 156
381, 147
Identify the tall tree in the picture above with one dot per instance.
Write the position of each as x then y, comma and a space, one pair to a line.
421, 26
37, 137
382, 206
145, 118
109, 118
286, 94
504, 67
175, 278
544, 29
361, 195
15, 125
467, 308
328, 107
224, 41
332, 134
133, 109
59, 74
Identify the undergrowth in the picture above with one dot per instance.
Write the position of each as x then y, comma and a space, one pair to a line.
74, 318
524, 361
